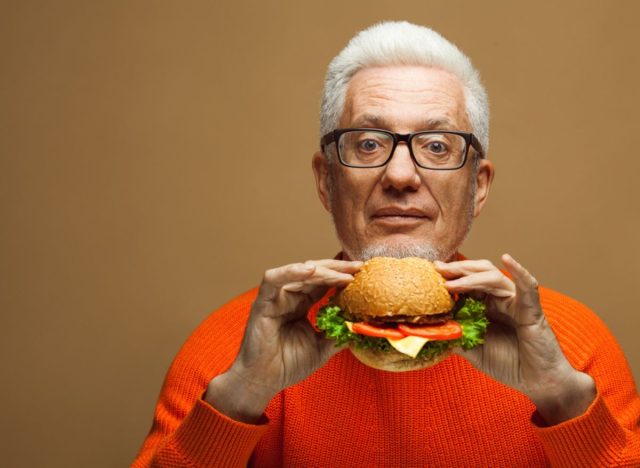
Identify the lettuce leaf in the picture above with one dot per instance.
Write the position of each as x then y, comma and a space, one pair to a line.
471, 316
331, 321
469, 312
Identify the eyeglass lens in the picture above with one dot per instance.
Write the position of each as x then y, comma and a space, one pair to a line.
373, 148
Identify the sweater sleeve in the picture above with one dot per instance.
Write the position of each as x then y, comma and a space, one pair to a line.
206, 438
187, 431
608, 433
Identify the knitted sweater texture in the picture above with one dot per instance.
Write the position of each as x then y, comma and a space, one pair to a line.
349, 415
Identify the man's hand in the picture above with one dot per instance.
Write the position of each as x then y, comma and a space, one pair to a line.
280, 347
520, 349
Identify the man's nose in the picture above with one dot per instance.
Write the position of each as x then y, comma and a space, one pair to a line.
401, 173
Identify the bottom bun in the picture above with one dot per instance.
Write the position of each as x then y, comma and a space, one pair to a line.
394, 361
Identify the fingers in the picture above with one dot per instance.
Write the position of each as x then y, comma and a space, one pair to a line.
337, 265
306, 277
476, 276
275, 278
523, 280
526, 284
516, 297
463, 267
491, 282
329, 273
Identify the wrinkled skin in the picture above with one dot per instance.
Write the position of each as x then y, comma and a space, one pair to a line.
280, 347
520, 350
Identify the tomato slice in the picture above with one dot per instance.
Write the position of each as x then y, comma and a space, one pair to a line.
367, 329
449, 330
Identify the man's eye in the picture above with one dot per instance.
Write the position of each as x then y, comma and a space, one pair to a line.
369, 145
437, 147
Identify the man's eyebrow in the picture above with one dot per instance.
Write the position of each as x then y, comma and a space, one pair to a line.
370, 120
437, 124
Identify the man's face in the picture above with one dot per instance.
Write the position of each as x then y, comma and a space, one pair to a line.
401, 209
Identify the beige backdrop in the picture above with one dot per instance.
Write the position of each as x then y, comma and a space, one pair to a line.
155, 159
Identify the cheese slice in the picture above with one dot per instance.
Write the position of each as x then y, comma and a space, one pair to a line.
409, 345
349, 325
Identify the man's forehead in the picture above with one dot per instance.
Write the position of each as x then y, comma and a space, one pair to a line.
431, 98
381, 121
406, 73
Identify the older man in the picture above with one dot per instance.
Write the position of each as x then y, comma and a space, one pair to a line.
256, 384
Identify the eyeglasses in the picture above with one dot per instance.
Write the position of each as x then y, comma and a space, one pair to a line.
372, 147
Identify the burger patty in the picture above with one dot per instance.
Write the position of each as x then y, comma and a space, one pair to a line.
413, 319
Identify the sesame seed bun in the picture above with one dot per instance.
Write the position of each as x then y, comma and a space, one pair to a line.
386, 286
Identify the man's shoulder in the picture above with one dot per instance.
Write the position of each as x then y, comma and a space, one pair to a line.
559, 306
577, 327
214, 343
225, 325
241, 301
233, 312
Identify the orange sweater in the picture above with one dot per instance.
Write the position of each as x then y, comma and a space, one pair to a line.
347, 414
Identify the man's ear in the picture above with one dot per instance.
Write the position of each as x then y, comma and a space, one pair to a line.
484, 177
321, 173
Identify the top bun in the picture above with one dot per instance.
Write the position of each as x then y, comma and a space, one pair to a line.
387, 286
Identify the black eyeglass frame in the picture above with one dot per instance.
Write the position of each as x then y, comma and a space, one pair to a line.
469, 138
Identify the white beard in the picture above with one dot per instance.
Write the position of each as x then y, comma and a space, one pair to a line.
401, 251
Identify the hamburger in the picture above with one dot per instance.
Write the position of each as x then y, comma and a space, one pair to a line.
396, 315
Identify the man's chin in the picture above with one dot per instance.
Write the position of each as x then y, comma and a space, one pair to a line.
400, 250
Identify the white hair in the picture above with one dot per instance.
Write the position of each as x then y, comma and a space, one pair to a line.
403, 43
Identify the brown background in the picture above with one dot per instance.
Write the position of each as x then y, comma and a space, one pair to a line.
155, 159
